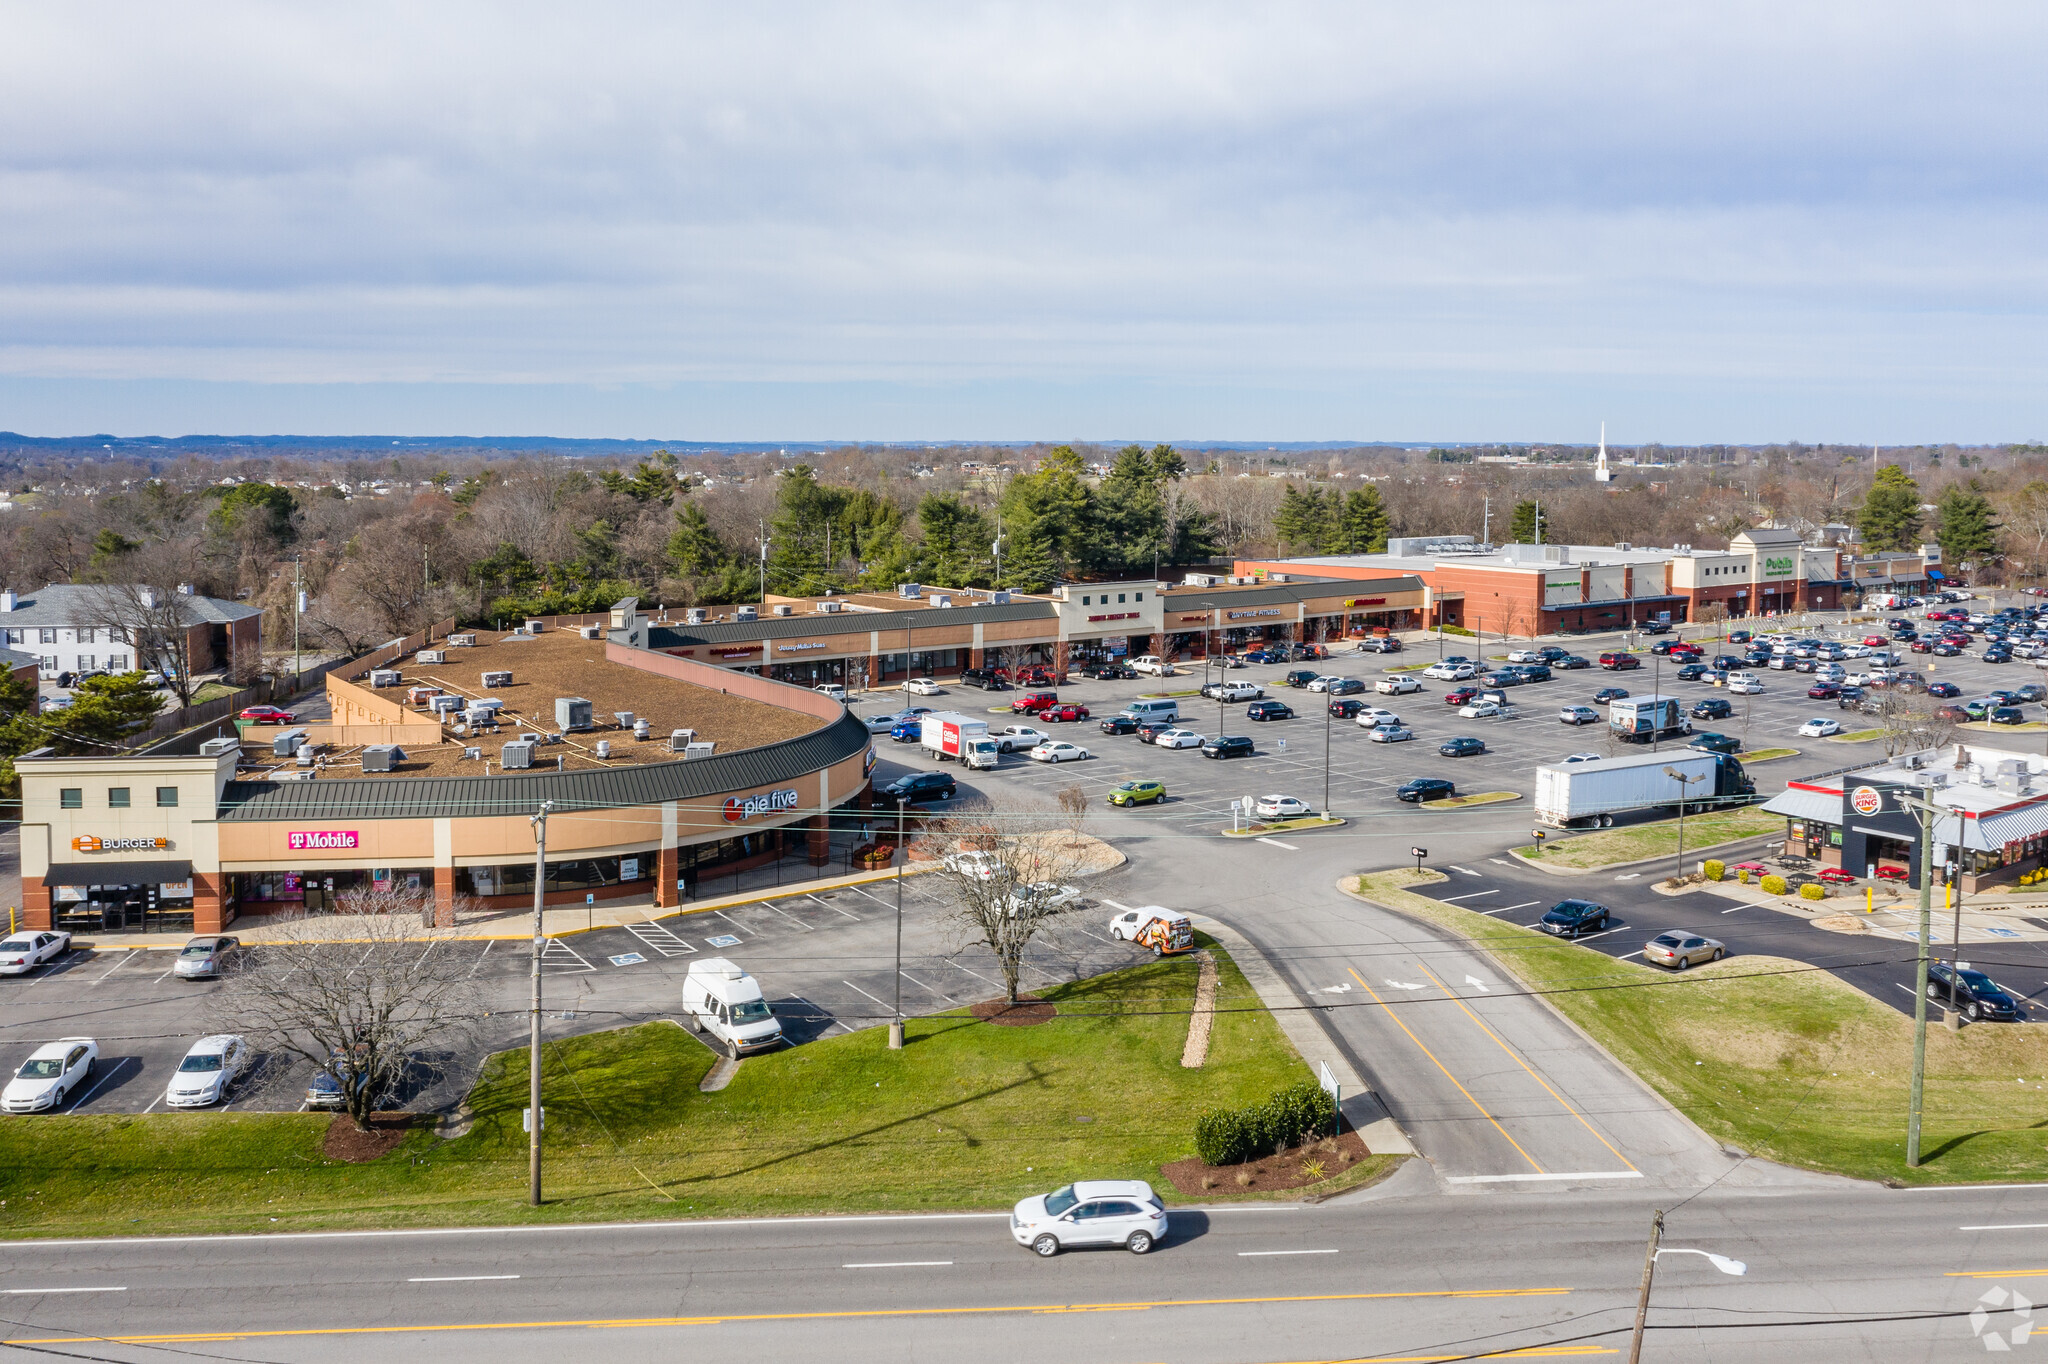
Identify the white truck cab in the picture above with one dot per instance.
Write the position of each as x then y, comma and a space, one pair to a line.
726, 1003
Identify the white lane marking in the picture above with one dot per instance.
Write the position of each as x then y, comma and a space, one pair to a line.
976, 974
2005, 1226
465, 1278
834, 908
1628, 876
1502, 910
1731, 911
1476, 982
62, 1290
1453, 899
1404, 985
876, 898
1278, 844
1467, 870
481, 955
933, 988
1503, 862
857, 990
1524, 905
1626, 955
773, 908
1121, 909
1533, 1179
112, 1071
127, 955
1602, 933
160, 1098
1250, 1254
900, 1264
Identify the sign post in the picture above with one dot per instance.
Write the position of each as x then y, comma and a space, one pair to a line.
1418, 854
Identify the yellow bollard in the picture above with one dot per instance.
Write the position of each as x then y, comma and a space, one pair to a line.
1869, 901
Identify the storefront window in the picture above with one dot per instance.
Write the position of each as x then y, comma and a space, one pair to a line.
585, 874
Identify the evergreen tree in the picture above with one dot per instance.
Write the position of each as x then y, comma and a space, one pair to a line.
1167, 464
693, 548
957, 542
1363, 527
1522, 526
1049, 516
1302, 522
1890, 515
1965, 530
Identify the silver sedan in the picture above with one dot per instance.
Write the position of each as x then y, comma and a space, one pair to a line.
1680, 948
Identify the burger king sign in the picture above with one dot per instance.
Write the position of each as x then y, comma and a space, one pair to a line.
1866, 800
738, 808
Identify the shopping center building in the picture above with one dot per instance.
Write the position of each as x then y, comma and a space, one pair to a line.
656, 771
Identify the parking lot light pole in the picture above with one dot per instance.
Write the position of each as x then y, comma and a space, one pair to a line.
1925, 813
540, 893
902, 856
1326, 756
1683, 782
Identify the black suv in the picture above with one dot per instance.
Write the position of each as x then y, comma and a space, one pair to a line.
1119, 724
1713, 708
1229, 746
916, 787
1978, 996
1269, 710
1106, 672
1570, 918
985, 678
1301, 677
1426, 788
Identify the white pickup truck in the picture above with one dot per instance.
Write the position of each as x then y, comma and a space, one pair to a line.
1152, 665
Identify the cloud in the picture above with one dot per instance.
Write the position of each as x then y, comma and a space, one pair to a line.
1466, 199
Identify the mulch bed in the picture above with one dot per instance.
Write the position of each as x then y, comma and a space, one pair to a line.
1029, 1011
345, 1142
1268, 1174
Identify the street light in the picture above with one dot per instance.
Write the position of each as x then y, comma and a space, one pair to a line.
1924, 813
1683, 782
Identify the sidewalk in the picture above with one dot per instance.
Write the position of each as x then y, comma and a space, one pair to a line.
1893, 916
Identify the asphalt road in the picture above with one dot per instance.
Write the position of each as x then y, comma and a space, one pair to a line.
1840, 1274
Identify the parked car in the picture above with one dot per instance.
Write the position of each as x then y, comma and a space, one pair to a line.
1578, 715
1692, 672
1377, 715
973, 864
1390, 734
1233, 691
1152, 666
1280, 807
1745, 686
1477, 710
209, 1070
1150, 729
1606, 694
1032, 702
1462, 747
1138, 793
915, 787
47, 1078
1571, 918
1042, 896
1823, 691
1379, 644
1680, 948
1178, 738
1710, 742
1345, 708
916, 686
1425, 788
985, 678
1819, 728
1396, 685
1065, 711
2007, 715
1458, 696
1096, 1212
1108, 672
1228, 746
267, 715
24, 952
1269, 710
1582, 758
1119, 724
1713, 708
1057, 751
206, 956
1300, 677
1450, 672
1971, 991
1344, 686
1571, 663
1617, 662
1321, 682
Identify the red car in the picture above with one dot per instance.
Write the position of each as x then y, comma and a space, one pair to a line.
1065, 711
266, 715
1876, 641
1686, 651
1034, 675
1458, 696
1835, 876
1033, 702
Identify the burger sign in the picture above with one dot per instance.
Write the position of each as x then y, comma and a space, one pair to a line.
742, 808
1866, 800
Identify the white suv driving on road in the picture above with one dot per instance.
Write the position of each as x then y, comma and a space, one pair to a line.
1094, 1212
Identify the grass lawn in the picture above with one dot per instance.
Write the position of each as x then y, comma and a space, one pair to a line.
968, 1115
1638, 841
211, 691
1474, 798
1796, 1067
1860, 736
1768, 755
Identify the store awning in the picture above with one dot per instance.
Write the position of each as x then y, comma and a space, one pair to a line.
2013, 826
117, 873
1808, 806
1935, 574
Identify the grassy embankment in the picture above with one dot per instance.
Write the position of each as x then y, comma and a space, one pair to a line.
968, 1115
1794, 1066
1586, 852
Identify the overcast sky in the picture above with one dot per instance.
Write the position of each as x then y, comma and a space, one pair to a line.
1725, 222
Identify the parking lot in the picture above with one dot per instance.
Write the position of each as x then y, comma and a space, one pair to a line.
826, 962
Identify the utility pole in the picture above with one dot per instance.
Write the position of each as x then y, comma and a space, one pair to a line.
1486, 523
540, 892
902, 856
1635, 1349
1326, 757
1925, 814
764, 565
997, 549
298, 610
1955, 944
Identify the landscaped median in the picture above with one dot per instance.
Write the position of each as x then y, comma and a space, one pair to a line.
1780, 1059
1472, 798
1306, 824
969, 1114
1859, 736
1636, 842
1767, 755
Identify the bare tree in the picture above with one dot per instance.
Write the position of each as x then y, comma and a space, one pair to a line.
1075, 807
1006, 881
372, 1012
156, 619
1909, 723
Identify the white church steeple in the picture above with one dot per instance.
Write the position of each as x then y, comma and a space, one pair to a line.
1601, 473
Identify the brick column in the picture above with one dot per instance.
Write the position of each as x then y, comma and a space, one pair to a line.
35, 905
444, 897
209, 896
977, 658
820, 840
667, 868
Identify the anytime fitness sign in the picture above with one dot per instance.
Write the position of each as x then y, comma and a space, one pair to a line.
738, 808
321, 839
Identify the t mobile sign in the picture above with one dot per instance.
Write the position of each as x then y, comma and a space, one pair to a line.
320, 839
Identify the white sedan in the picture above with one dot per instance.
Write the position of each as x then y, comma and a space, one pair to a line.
1479, 710
1280, 807
1526, 656
1178, 738
1043, 896
1396, 686
1856, 651
1057, 751
1323, 683
1745, 686
49, 1075
1390, 734
207, 1072
923, 686
1818, 728
1377, 715
24, 952
1451, 672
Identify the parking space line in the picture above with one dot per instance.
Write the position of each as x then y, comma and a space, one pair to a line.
481, 955
1453, 899
857, 990
834, 908
1626, 955
738, 927
127, 955
1603, 933
976, 974
930, 989
112, 1071
772, 908
1278, 844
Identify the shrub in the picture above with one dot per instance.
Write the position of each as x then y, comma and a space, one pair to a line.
1812, 892
1715, 870
1221, 1138
1774, 885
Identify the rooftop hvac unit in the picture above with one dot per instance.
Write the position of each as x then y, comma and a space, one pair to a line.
942, 601
306, 754
694, 616
213, 748
909, 590
1000, 597
480, 715
623, 719
828, 607
419, 696
680, 739
296, 774
604, 748
385, 677
286, 743
784, 609
497, 679
745, 613
642, 730
591, 631
572, 712
444, 705
516, 755
534, 627
382, 757
461, 641
472, 754
431, 656
697, 750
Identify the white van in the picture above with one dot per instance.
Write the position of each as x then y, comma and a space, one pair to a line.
722, 1000
1166, 711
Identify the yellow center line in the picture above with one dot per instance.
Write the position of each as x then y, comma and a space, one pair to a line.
614, 1323
1516, 1058
1447, 1072
1532, 1352
1996, 1274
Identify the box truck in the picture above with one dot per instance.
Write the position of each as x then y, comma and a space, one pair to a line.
949, 734
1583, 794
1639, 719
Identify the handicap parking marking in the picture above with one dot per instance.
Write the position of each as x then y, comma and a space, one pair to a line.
723, 940
661, 940
627, 959
552, 956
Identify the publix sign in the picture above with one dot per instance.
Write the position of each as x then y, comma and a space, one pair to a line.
1777, 568
739, 808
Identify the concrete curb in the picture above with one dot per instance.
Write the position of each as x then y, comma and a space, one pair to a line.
1640, 861
1363, 1109
1313, 826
